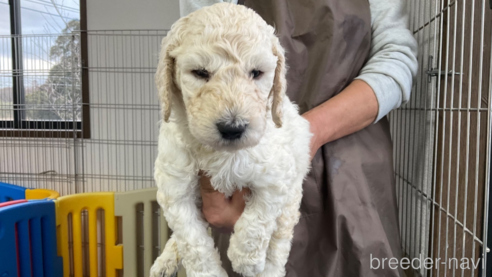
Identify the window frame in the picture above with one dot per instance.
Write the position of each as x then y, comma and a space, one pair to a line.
18, 127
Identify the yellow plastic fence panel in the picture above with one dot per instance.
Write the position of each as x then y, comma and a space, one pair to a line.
74, 205
32, 194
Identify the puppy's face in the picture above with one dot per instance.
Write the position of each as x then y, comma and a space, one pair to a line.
225, 88
225, 66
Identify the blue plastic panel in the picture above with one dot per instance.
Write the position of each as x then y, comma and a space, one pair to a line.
10, 192
28, 239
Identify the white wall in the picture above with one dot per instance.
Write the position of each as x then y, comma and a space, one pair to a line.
131, 14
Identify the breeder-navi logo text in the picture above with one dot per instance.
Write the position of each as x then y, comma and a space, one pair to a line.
426, 263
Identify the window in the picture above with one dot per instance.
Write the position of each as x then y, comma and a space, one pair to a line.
42, 76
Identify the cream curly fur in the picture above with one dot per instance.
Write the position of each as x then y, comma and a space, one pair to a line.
271, 158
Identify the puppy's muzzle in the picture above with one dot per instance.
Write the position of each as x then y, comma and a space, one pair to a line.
230, 131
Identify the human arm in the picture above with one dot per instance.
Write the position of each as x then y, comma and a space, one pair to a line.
383, 84
355, 108
392, 63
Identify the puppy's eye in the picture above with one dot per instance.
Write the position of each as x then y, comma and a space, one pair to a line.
256, 73
201, 73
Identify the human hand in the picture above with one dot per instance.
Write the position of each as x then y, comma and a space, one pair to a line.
219, 211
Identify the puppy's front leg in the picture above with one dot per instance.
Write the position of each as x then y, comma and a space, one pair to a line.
177, 197
253, 230
280, 244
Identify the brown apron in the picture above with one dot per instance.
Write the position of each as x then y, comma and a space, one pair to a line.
348, 210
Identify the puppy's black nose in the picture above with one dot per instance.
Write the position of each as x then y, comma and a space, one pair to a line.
231, 132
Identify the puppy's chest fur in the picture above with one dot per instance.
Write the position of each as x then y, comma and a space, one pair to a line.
271, 161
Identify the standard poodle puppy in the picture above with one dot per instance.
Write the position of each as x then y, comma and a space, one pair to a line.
221, 82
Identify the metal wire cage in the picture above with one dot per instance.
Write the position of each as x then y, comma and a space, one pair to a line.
79, 113
442, 140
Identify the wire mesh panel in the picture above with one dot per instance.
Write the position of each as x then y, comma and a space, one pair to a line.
124, 110
80, 112
40, 109
442, 140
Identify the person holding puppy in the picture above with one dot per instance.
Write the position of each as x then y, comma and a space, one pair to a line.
350, 63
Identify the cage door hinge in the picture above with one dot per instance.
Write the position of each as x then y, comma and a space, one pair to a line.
434, 72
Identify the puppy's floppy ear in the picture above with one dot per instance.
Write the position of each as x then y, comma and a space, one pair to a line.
164, 77
279, 83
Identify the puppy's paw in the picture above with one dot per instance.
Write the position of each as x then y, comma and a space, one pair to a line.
158, 271
246, 263
272, 271
164, 268
248, 269
220, 273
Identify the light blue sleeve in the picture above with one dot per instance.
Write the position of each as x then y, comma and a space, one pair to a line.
392, 64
